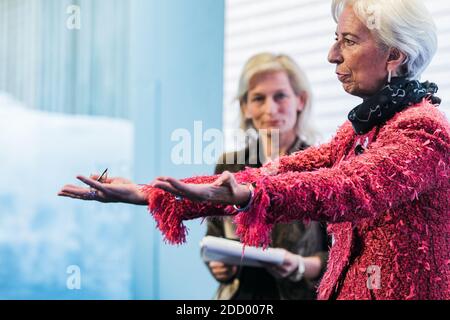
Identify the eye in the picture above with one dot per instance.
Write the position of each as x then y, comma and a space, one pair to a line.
349, 42
257, 99
280, 96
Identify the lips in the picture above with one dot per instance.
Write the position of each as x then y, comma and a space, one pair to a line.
273, 123
342, 76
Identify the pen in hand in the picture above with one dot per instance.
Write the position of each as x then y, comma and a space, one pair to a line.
102, 175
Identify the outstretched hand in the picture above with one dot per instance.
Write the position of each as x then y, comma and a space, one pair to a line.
225, 190
107, 191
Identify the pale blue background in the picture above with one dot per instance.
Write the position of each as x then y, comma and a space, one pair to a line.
134, 72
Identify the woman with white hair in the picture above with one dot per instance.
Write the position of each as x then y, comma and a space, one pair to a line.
382, 182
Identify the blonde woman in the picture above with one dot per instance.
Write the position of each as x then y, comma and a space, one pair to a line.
275, 97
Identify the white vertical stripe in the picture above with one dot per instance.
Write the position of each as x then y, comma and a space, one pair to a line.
51, 68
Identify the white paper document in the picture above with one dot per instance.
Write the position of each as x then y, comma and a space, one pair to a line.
231, 252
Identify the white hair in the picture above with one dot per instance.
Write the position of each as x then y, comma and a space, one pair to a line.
266, 63
406, 25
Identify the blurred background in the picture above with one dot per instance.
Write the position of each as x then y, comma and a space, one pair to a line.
92, 84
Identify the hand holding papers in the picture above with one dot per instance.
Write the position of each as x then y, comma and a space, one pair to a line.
231, 252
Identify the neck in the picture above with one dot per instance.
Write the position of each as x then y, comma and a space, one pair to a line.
395, 80
277, 145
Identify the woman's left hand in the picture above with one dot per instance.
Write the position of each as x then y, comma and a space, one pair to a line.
107, 191
288, 267
225, 190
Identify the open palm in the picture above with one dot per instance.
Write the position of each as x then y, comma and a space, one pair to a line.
108, 191
225, 190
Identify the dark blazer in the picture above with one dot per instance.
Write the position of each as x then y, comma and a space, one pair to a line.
307, 240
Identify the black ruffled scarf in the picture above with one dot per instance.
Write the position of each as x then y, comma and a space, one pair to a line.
393, 98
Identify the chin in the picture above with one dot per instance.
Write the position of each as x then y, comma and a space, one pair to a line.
352, 90
274, 129
347, 88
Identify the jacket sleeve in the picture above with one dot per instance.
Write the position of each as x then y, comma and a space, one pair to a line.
170, 213
410, 157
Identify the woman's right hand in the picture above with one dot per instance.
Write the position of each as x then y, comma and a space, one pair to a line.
107, 191
225, 190
222, 272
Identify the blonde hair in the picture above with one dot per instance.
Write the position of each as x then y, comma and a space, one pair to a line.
406, 25
267, 63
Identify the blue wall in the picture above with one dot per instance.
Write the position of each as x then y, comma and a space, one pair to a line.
183, 48
158, 65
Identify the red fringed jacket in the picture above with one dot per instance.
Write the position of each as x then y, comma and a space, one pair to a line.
388, 206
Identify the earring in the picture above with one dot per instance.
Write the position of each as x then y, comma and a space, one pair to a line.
389, 76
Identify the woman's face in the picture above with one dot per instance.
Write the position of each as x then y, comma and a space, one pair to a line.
361, 64
272, 102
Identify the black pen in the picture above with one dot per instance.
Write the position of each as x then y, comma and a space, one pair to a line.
104, 172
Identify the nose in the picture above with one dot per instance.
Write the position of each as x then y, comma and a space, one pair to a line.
335, 55
271, 106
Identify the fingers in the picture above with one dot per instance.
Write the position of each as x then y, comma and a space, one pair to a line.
227, 179
92, 183
177, 184
96, 191
103, 180
74, 190
221, 271
216, 264
166, 186
174, 186
69, 195
281, 271
220, 268
224, 177
276, 271
162, 178
80, 193
233, 183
